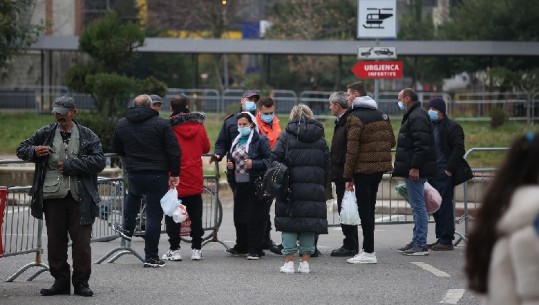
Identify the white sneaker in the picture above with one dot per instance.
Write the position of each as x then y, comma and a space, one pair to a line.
288, 267
363, 258
172, 255
196, 254
304, 267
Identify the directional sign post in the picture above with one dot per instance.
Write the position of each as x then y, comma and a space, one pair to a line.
378, 69
377, 19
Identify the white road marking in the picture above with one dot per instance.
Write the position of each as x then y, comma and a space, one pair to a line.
452, 296
431, 269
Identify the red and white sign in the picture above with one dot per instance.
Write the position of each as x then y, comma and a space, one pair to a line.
378, 69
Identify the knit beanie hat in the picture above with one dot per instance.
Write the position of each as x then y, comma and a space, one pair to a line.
438, 103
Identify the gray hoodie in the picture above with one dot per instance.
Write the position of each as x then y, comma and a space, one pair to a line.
364, 101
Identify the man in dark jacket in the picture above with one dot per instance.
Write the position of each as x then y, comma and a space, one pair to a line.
415, 161
449, 143
67, 158
368, 156
150, 152
338, 105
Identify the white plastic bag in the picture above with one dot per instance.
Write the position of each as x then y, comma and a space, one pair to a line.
169, 202
433, 199
349, 212
180, 214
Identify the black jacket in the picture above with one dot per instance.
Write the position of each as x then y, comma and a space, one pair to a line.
452, 136
147, 142
308, 164
259, 152
338, 149
415, 144
89, 162
229, 131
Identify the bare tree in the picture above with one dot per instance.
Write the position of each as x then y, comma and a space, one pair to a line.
312, 20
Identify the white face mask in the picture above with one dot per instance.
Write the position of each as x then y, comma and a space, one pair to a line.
401, 105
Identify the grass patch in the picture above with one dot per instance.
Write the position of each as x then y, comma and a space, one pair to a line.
18, 126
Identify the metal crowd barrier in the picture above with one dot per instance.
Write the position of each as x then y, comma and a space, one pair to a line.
391, 208
212, 215
474, 189
21, 232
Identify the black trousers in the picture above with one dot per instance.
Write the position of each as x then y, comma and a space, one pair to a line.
350, 240
193, 204
250, 214
445, 216
366, 187
62, 217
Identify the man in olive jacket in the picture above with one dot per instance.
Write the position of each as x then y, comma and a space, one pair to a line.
67, 158
415, 161
452, 169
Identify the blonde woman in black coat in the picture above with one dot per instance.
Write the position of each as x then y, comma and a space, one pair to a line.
304, 214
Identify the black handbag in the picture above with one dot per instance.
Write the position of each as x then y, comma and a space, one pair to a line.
276, 179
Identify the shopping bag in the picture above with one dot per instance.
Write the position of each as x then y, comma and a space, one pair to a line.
169, 202
402, 191
349, 212
180, 214
185, 227
433, 200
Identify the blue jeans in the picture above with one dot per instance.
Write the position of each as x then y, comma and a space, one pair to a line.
154, 187
416, 198
290, 243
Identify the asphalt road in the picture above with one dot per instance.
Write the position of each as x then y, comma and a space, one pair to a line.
221, 279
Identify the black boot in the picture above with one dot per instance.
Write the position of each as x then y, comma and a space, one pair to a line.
83, 289
57, 288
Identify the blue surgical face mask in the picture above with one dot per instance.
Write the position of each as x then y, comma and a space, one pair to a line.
250, 106
401, 106
244, 131
267, 118
433, 115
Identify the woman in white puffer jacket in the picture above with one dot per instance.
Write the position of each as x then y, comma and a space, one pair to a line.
503, 248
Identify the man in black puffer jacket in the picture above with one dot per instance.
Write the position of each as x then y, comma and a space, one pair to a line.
415, 161
150, 152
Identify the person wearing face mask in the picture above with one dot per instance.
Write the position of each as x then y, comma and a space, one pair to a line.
246, 160
415, 161
268, 126
229, 130
452, 169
